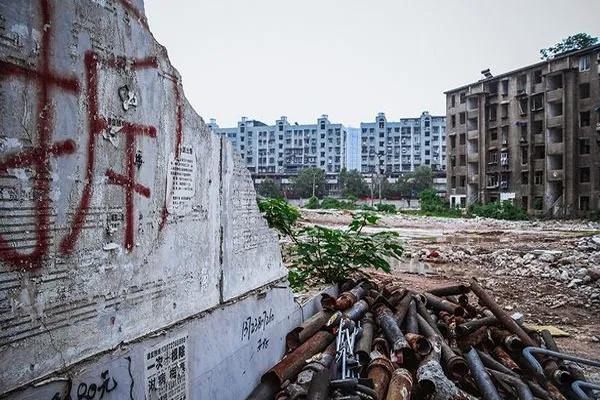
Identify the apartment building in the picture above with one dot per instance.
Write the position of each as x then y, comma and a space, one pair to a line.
400, 146
285, 148
531, 136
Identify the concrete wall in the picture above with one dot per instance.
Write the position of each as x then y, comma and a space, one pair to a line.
122, 218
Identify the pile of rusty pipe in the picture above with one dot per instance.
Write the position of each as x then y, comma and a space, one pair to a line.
419, 344
308, 328
319, 386
380, 372
400, 386
412, 326
505, 359
502, 317
402, 308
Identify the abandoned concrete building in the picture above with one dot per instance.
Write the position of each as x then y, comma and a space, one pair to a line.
531, 136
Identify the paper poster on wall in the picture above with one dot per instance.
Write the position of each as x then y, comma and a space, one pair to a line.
165, 368
181, 181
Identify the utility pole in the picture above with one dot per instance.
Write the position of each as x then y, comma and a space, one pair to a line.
314, 178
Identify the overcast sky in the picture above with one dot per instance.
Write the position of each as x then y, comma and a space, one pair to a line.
350, 58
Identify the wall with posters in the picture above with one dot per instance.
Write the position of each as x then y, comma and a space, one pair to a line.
123, 219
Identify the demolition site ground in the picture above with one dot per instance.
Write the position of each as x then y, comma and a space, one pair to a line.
547, 270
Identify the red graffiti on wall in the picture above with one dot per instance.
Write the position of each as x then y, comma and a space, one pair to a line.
39, 157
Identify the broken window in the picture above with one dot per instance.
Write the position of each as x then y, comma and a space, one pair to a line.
525, 178
584, 203
538, 177
493, 134
453, 101
523, 106
453, 121
463, 180
453, 182
493, 111
504, 110
463, 98
521, 83
462, 160
505, 87
537, 127
538, 202
537, 102
462, 118
539, 152
524, 155
461, 139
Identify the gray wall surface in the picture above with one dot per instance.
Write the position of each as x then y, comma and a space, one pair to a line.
122, 217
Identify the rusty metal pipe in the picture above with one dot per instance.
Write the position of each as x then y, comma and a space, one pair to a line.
474, 324
503, 318
347, 299
536, 367
412, 326
400, 386
392, 332
451, 290
455, 365
365, 343
482, 378
520, 387
402, 308
293, 363
419, 344
440, 304
380, 372
491, 363
319, 386
308, 328
266, 389
506, 360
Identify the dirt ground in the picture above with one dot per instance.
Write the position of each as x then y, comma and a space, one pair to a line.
443, 250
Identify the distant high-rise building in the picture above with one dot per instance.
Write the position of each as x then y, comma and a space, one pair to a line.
531, 135
353, 149
400, 146
285, 148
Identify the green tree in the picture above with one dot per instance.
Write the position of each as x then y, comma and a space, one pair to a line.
421, 178
309, 182
352, 183
404, 186
575, 42
269, 188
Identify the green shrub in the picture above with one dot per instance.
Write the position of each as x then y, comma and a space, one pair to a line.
386, 207
434, 206
331, 203
499, 210
279, 214
313, 203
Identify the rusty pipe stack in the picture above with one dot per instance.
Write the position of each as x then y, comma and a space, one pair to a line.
451, 342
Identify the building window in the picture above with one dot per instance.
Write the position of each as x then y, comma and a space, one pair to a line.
453, 121
462, 139
584, 146
453, 101
525, 178
462, 118
538, 203
453, 182
538, 177
584, 175
505, 87
584, 119
381, 124
539, 152
493, 112
524, 202
462, 160
584, 203
463, 98
504, 110
537, 76
462, 181
537, 102
584, 90
584, 63
493, 134
493, 157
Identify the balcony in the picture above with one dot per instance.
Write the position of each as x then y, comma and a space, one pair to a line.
473, 113
554, 95
555, 175
553, 122
555, 148
473, 158
473, 135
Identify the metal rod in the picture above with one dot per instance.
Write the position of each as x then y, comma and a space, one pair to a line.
579, 387
528, 354
521, 388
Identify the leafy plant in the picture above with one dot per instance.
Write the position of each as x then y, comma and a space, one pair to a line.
434, 205
279, 214
310, 182
269, 188
330, 255
385, 207
313, 203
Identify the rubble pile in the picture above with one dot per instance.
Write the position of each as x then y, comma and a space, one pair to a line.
379, 340
577, 268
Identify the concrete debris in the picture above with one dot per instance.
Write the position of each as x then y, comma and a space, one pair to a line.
464, 346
